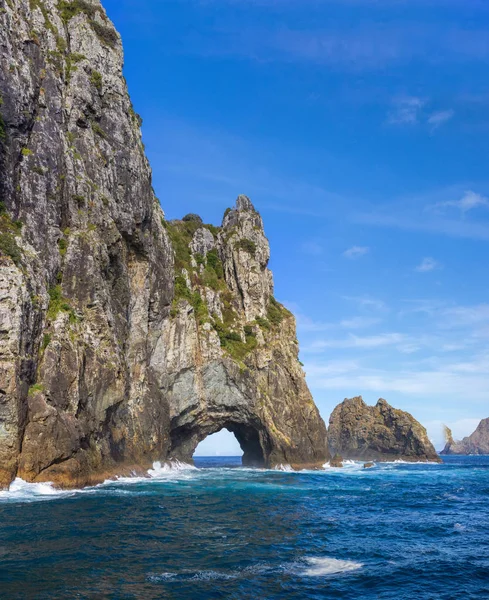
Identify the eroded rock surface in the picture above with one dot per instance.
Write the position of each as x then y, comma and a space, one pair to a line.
477, 443
378, 433
124, 339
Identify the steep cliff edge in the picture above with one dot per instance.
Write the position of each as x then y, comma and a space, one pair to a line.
381, 432
477, 443
124, 339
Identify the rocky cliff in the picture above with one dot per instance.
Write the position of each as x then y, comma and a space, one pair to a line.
124, 339
477, 443
381, 432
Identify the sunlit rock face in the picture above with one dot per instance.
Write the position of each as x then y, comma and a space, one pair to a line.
477, 443
124, 338
381, 432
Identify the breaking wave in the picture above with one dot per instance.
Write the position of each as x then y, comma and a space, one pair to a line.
307, 567
321, 567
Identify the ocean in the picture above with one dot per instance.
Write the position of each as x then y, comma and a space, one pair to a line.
397, 531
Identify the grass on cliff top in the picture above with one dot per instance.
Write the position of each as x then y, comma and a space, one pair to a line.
68, 10
181, 234
212, 276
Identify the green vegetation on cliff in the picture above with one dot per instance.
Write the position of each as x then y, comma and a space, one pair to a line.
246, 245
236, 339
8, 231
58, 303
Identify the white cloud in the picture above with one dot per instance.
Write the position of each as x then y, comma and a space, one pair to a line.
356, 252
442, 382
427, 265
469, 201
406, 110
439, 118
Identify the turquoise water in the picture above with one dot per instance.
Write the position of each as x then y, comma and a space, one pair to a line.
397, 531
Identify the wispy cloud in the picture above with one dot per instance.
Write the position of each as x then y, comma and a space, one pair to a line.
359, 322
406, 110
427, 264
430, 213
439, 118
370, 46
367, 302
312, 248
469, 201
412, 110
457, 316
443, 381
355, 341
356, 252
306, 324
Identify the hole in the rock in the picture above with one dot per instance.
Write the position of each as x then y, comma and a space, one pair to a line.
222, 444
242, 441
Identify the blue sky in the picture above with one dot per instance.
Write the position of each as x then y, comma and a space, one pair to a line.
360, 130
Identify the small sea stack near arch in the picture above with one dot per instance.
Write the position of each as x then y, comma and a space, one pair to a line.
378, 433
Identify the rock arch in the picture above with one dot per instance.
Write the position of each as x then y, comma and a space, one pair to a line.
271, 430
253, 440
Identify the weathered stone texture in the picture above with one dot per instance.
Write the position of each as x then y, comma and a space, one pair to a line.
380, 433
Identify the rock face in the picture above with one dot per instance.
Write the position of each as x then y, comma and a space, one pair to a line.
477, 443
380, 433
124, 339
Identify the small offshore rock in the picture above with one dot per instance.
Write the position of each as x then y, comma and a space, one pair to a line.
477, 443
337, 461
380, 433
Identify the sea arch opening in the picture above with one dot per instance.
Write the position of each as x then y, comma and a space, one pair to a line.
252, 441
220, 444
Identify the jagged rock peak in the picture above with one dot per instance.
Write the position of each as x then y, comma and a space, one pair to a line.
243, 212
380, 432
243, 203
477, 443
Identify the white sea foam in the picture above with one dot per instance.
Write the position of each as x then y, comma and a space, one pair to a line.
308, 567
323, 566
348, 466
160, 470
285, 468
21, 490
173, 469
161, 577
194, 576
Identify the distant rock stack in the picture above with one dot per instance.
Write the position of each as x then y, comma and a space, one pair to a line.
380, 433
477, 443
